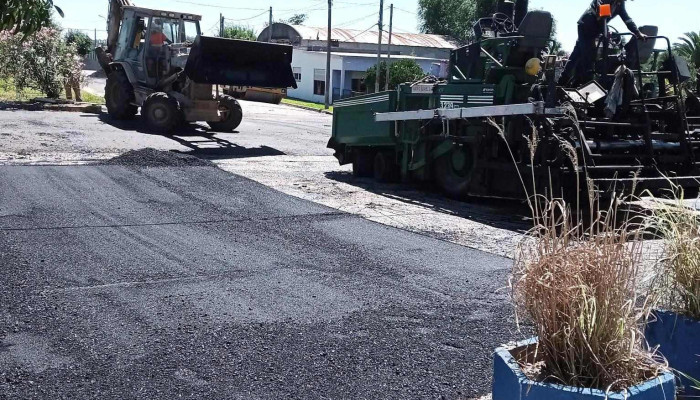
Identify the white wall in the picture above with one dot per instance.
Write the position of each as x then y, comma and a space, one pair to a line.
308, 61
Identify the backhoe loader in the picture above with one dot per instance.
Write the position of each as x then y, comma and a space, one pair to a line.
159, 61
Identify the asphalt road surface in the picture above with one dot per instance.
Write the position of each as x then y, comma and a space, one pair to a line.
128, 282
279, 146
186, 281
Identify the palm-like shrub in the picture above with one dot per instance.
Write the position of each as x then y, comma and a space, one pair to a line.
688, 47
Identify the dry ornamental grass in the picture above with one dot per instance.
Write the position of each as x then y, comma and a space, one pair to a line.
583, 289
679, 227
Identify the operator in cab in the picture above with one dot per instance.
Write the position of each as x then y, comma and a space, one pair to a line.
590, 28
158, 38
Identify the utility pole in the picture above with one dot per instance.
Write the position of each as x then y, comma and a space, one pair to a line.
328, 57
269, 36
388, 47
379, 44
221, 25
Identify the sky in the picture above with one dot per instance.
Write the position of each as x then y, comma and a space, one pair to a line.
674, 17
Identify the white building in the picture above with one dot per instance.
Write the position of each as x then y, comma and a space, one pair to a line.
353, 52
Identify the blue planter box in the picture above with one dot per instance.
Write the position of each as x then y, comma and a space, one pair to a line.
678, 338
510, 383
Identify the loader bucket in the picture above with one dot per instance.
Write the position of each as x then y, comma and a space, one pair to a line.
219, 61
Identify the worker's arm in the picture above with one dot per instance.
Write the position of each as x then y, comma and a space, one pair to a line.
629, 21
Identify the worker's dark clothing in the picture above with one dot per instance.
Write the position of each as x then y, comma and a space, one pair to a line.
590, 27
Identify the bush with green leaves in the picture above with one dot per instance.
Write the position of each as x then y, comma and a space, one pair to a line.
402, 71
42, 61
26, 16
82, 42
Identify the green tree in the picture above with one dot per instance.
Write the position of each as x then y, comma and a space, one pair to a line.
26, 16
240, 32
82, 42
402, 71
296, 19
453, 18
688, 47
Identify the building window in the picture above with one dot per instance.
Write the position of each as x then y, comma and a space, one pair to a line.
320, 81
297, 74
357, 85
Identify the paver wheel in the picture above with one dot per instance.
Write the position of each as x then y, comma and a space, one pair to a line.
162, 112
362, 163
119, 96
454, 171
385, 167
231, 112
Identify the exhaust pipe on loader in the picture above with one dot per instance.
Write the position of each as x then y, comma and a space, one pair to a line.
219, 61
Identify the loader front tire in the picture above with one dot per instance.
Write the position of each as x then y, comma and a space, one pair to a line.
232, 115
162, 112
119, 96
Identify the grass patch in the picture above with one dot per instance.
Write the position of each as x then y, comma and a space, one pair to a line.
8, 93
91, 98
302, 103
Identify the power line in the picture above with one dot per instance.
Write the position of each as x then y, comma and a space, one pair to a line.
356, 4
406, 11
217, 6
248, 19
244, 8
355, 20
365, 31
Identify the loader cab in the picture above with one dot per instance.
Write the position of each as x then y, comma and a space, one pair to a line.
154, 42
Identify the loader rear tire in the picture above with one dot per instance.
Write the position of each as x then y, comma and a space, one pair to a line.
454, 171
232, 113
162, 112
119, 96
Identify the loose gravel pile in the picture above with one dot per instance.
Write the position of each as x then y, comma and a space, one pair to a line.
155, 158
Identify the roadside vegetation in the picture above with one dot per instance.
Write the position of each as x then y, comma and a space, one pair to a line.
308, 104
9, 93
42, 61
402, 71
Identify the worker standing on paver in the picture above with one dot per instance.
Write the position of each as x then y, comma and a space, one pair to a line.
590, 27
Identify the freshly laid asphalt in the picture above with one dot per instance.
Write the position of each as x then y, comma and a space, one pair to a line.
139, 282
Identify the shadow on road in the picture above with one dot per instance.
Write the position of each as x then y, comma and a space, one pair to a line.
202, 141
498, 213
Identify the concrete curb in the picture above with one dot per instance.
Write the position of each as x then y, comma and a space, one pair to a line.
88, 108
307, 108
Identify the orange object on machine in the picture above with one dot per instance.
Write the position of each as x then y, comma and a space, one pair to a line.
605, 11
